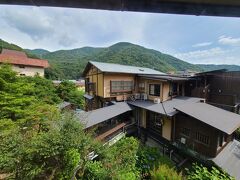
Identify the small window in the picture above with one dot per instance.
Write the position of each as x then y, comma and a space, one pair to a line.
141, 86
22, 74
21, 66
202, 138
91, 86
154, 89
185, 132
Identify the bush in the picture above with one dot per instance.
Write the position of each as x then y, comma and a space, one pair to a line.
164, 172
200, 172
150, 157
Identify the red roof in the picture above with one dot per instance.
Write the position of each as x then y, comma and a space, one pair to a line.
20, 58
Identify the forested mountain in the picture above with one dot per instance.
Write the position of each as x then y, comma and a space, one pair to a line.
69, 64
37, 52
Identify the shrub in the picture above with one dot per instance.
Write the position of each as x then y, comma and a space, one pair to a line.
164, 172
200, 172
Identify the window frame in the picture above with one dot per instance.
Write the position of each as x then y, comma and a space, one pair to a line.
155, 93
123, 86
202, 138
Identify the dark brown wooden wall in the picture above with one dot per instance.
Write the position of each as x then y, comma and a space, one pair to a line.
184, 121
229, 85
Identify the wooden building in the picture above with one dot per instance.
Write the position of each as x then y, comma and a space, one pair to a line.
220, 88
161, 107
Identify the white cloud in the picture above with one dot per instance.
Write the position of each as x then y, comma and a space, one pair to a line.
215, 55
201, 53
202, 44
227, 40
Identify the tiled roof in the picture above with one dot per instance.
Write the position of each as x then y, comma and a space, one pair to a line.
118, 68
219, 118
100, 115
229, 159
20, 58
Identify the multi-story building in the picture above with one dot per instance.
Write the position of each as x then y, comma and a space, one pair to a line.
23, 65
157, 104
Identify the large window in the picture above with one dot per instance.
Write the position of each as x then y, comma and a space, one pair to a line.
121, 86
154, 89
202, 138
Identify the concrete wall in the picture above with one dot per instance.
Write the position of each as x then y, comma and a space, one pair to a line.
28, 70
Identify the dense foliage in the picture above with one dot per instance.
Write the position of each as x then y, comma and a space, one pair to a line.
68, 92
199, 172
165, 172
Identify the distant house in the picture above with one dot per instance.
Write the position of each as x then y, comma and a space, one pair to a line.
80, 84
162, 108
23, 65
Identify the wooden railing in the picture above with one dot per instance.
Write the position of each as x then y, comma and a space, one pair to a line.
111, 131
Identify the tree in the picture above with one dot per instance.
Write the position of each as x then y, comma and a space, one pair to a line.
52, 154
69, 92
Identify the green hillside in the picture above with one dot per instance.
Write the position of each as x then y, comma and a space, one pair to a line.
37, 52
72, 62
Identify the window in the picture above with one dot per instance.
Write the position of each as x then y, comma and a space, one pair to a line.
154, 89
91, 86
121, 86
141, 86
185, 131
202, 138
174, 89
155, 122
22, 74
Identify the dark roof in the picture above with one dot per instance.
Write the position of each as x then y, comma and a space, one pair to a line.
192, 7
221, 119
166, 77
168, 105
20, 58
97, 116
229, 159
118, 68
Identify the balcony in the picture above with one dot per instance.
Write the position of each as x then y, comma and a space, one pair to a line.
112, 133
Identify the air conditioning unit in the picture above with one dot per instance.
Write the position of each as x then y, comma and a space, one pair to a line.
183, 140
157, 100
137, 96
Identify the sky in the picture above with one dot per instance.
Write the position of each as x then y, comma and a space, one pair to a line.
195, 39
